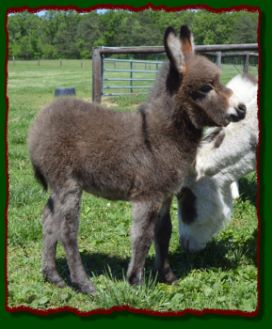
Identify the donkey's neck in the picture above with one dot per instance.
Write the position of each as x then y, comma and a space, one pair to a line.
184, 126
172, 123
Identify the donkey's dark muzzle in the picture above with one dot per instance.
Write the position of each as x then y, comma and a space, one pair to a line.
240, 113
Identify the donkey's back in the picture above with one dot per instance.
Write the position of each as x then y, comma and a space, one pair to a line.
73, 138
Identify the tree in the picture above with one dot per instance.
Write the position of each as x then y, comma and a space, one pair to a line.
68, 34
245, 30
89, 34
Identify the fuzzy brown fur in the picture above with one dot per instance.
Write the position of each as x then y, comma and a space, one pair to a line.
141, 157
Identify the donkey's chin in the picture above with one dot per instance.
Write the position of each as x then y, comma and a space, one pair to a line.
190, 244
226, 122
222, 122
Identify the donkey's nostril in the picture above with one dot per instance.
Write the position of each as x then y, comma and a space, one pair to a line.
240, 113
242, 107
241, 110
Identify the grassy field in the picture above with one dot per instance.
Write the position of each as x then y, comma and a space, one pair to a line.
223, 276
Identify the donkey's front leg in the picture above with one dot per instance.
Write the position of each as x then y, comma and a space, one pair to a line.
163, 232
145, 214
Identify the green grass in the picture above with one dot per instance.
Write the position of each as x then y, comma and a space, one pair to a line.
223, 276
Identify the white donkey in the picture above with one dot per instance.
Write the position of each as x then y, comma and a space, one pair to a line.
205, 203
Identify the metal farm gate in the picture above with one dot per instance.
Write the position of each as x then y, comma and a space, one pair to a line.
136, 76
113, 77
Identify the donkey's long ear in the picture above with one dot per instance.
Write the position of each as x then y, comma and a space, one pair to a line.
173, 48
187, 40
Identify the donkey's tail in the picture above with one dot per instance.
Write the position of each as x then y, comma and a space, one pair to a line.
40, 177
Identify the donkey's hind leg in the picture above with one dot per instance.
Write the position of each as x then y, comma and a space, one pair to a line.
145, 214
50, 239
69, 206
163, 232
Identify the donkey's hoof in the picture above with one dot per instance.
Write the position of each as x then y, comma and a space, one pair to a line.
135, 279
60, 283
53, 277
85, 288
168, 277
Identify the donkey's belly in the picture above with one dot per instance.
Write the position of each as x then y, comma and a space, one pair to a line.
109, 194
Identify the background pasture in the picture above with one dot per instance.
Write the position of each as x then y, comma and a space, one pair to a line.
223, 276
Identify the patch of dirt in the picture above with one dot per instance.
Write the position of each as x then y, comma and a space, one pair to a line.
109, 103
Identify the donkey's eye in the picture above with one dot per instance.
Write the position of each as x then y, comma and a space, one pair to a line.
205, 89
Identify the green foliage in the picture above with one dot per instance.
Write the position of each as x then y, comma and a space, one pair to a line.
247, 27
223, 276
68, 34
214, 28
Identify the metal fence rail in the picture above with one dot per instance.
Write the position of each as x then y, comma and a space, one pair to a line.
140, 75
126, 70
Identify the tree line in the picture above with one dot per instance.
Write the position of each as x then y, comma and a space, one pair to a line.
55, 34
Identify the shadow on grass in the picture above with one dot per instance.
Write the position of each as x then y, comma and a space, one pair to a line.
215, 256
248, 189
224, 255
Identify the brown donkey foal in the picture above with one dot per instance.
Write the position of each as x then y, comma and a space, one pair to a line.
141, 157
